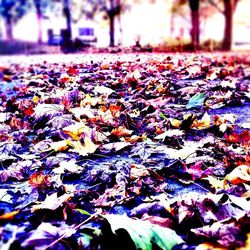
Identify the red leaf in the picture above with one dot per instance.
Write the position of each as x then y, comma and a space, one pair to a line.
238, 138
39, 180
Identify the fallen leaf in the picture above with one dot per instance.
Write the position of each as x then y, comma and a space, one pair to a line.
52, 202
121, 131
39, 180
60, 145
76, 130
196, 101
137, 171
116, 146
216, 183
235, 137
203, 123
8, 216
144, 233
240, 174
169, 133
93, 101
88, 148
48, 110
69, 166
103, 90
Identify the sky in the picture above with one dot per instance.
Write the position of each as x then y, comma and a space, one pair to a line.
149, 22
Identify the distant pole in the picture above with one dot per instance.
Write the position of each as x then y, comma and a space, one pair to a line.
66, 10
39, 20
112, 24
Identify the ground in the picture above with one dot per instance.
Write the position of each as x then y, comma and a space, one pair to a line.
125, 151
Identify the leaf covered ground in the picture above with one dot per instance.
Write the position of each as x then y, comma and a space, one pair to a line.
135, 152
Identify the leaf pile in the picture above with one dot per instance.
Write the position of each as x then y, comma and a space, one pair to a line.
146, 152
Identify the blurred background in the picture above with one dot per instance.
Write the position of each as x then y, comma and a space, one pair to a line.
52, 26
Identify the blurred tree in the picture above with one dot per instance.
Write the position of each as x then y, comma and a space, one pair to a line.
195, 20
38, 6
12, 11
194, 6
110, 9
225, 7
41, 7
229, 8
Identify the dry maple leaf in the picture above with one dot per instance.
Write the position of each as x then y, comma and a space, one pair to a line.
116, 146
203, 123
39, 180
60, 145
216, 183
225, 234
234, 137
137, 171
16, 170
88, 148
52, 202
114, 109
8, 216
76, 130
121, 131
92, 101
240, 174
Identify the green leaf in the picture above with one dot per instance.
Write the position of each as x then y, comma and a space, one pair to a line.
162, 116
196, 101
143, 233
82, 211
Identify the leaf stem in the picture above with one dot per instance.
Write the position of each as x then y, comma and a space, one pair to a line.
74, 228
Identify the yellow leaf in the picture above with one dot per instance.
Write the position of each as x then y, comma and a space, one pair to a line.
60, 145
203, 123
88, 148
247, 244
215, 183
76, 130
209, 246
35, 98
90, 100
9, 216
175, 123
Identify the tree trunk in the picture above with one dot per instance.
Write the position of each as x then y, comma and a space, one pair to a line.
111, 30
195, 30
39, 20
229, 6
9, 28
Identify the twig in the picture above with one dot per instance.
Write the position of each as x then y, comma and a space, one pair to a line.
216, 6
50, 153
74, 228
200, 186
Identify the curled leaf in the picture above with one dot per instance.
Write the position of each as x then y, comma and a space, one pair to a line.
143, 233
196, 101
241, 174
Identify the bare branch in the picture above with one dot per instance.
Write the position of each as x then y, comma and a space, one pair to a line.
216, 6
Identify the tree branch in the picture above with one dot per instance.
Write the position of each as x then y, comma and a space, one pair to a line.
216, 6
